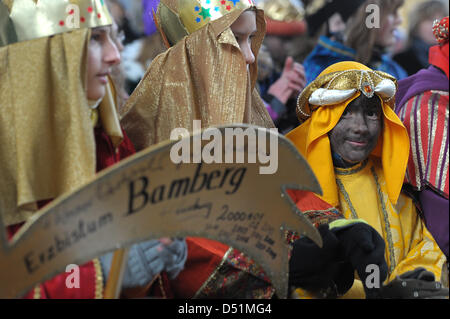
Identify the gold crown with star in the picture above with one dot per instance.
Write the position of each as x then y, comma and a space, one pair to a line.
179, 18
24, 20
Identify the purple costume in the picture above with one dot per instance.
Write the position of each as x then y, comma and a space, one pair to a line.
422, 105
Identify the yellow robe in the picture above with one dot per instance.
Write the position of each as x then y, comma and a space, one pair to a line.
362, 194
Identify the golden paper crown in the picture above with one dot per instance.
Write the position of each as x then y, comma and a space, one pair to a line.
178, 18
283, 10
23, 20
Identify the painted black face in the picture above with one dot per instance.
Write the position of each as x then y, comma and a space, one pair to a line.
357, 132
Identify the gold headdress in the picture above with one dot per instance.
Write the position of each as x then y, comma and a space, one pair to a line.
334, 87
23, 20
178, 18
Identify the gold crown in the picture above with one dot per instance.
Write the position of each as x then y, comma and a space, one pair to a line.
178, 18
283, 10
23, 20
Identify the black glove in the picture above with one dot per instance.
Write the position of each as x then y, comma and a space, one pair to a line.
363, 246
418, 283
320, 270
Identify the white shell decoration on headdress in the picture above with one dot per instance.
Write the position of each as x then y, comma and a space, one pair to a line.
386, 89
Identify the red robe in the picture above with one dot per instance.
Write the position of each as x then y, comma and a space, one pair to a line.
91, 279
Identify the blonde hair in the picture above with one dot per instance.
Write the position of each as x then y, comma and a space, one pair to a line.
361, 38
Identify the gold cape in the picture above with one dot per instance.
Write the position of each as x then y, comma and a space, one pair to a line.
202, 77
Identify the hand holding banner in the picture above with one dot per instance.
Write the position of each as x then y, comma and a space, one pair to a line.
148, 196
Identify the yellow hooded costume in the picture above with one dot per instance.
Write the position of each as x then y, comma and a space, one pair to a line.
48, 143
370, 190
203, 76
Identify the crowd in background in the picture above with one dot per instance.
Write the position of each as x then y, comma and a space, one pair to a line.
300, 30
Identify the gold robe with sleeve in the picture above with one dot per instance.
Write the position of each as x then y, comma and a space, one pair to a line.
409, 245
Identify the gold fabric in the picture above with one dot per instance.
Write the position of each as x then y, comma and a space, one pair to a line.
203, 77
23, 20
47, 145
282, 10
311, 138
108, 114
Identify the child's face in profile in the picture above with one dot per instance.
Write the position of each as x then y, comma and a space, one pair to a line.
102, 55
244, 29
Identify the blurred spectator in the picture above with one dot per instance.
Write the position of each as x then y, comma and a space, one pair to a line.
356, 41
401, 39
420, 35
281, 78
119, 13
139, 52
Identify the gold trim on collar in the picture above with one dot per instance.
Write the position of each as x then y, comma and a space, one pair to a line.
351, 170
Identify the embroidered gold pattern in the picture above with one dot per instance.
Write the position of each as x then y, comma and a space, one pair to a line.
98, 279
347, 199
161, 287
387, 225
328, 210
356, 169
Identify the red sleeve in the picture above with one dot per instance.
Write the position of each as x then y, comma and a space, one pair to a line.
204, 256
90, 281
307, 200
